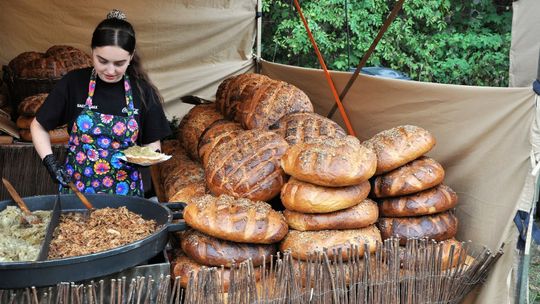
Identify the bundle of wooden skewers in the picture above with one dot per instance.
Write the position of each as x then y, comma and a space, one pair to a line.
418, 274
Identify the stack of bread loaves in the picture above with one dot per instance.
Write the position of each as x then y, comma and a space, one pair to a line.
413, 201
27, 111
226, 231
326, 197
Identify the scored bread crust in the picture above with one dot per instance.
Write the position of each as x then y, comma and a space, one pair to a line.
430, 201
438, 227
212, 251
303, 126
418, 175
399, 145
238, 220
247, 166
331, 162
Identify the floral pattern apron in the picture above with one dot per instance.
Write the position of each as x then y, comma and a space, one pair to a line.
95, 144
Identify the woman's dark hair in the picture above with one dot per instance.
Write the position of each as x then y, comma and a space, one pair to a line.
118, 32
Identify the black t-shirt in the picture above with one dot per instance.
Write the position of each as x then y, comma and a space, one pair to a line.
66, 101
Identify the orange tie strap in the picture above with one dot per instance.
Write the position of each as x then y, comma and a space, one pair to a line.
326, 73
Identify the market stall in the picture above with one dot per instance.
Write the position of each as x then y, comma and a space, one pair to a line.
483, 134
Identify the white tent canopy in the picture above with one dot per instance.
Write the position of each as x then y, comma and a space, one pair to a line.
483, 134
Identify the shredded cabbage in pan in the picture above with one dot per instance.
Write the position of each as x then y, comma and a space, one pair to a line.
20, 241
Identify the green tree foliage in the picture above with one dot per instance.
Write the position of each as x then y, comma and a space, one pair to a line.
444, 41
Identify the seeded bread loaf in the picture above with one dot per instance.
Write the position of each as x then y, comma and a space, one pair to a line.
212, 251
434, 200
397, 146
238, 220
193, 125
247, 166
331, 162
220, 131
418, 175
303, 126
438, 227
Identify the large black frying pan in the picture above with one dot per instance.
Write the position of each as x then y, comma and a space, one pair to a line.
50, 272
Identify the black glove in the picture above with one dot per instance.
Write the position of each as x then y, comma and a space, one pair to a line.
56, 170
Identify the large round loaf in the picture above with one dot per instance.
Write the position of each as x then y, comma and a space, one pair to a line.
235, 90
22, 60
332, 162
362, 215
305, 197
439, 227
303, 243
271, 101
193, 124
186, 173
182, 266
247, 166
420, 174
434, 200
238, 220
212, 251
400, 145
31, 104
71, 57
303, 126
218, 132
187, 192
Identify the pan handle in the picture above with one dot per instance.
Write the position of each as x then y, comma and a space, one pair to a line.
179, 226
177, 210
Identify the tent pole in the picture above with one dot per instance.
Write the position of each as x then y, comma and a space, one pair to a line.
370, 51
258, 42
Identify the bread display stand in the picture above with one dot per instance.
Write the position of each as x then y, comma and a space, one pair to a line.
482, 132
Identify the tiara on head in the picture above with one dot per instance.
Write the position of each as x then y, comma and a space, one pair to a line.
116, 14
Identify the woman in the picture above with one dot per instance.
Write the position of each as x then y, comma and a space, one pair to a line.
108, 107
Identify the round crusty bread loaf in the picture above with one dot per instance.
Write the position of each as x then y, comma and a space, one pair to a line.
439, 227
247, 166
193, 124
23, 122
305, 197
434, 200
331, 162
235, 90
400, 145
303, 243
182, 266
362, 215
218, 132
187, 192
187, 172
238, 220
212, 251
272, 100
31, 104
57, 136
441, 249
22, 60
418, 175
303, 126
